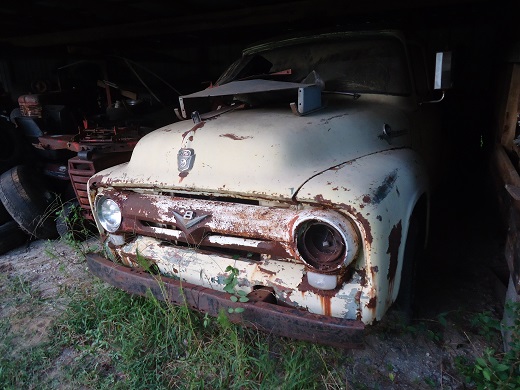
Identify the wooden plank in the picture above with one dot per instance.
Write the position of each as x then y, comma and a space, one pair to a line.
508, 186
508, 118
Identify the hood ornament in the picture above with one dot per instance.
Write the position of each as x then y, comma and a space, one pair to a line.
185, 159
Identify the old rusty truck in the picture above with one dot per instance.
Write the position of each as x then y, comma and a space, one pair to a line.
293, 195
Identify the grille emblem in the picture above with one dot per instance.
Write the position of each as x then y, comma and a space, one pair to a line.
188, 219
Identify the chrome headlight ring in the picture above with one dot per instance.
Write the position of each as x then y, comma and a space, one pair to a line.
325, 241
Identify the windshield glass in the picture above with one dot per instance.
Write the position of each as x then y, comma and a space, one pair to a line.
339, 65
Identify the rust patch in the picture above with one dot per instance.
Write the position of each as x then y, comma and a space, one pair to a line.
394, 242
334, 188
357, 298
363, 275
182, 175
234, 137
372, 303
191, 138
326, 305
266, 271
194, 129
367, 199
304, 286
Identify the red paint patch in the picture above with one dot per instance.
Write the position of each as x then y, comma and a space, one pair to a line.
234, 137
394, 242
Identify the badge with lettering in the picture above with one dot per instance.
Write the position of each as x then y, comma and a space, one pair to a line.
185, 159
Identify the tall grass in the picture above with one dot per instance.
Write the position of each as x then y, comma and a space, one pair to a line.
122, 341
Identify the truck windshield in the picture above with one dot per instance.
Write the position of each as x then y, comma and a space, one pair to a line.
340, 65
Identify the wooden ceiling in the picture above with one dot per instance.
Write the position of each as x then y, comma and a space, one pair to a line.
45, 23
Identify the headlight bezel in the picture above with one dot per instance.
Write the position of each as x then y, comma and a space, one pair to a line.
343, 235
105, 205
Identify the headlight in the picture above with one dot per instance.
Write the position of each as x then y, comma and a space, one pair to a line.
108, 214
326, 242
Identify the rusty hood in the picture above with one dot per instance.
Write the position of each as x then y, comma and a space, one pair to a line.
263, 152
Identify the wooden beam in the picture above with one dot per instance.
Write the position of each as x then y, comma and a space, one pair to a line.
325, 13
508, 117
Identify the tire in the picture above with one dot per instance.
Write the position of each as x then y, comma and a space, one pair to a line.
11, 236
70, 223
28, 201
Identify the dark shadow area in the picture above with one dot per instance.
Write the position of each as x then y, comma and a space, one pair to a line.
464, 267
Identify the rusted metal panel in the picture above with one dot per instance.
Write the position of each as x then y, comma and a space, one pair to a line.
80, 170
288, 279
267, 317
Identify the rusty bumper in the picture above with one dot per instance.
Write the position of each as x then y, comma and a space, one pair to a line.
267, 317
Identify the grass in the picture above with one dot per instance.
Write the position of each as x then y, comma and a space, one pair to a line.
106, 338
122, 341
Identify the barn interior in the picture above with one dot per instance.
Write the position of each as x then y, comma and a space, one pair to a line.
172, 49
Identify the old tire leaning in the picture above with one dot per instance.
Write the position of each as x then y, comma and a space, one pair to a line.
26, 198
70, 223
11, 236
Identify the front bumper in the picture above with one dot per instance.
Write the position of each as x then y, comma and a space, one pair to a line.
259, 314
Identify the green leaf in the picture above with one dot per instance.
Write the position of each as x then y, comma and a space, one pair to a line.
501, 367
244, 299
481, 362
241, 293
229, 268
231, 310
233, 298
229, 289
487, 374
239, 310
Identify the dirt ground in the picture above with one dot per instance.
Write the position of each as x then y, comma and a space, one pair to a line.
464, 269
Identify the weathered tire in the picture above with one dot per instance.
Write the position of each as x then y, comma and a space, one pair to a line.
70, 223
26, 198
11, 236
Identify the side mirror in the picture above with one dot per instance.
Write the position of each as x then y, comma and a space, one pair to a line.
442, 80
443, 71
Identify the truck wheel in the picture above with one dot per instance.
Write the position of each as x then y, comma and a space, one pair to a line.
70, 223
28, 201
11, 236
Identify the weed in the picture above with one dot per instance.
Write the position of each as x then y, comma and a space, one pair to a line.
486, 325
494, 370
230, 286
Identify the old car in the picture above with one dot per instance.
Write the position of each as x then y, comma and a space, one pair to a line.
293, 194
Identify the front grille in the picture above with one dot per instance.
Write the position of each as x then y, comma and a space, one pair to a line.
80, 170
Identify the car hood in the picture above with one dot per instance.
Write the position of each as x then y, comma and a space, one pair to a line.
262, 152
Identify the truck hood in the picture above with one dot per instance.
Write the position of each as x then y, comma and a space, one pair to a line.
262, 152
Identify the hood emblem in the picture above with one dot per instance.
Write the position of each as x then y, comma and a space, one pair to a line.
185, 159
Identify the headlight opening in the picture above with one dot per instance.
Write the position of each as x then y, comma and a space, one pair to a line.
325, 246
108, 214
